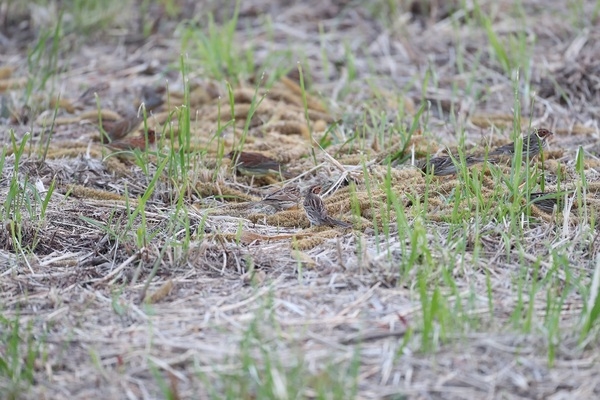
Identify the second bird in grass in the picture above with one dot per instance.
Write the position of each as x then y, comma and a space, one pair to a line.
316, 212
547, 201
256, 164
532, 144
130, 143
283, 199
442, 166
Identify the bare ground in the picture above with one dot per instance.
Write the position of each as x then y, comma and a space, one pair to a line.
325, 303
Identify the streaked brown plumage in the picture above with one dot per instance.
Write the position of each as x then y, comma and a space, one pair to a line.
546, 201
134, 142
442, 166
315, 209
255, 164
532, 144
116, 130
284, 198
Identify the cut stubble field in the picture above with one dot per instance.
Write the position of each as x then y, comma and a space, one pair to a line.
139, 258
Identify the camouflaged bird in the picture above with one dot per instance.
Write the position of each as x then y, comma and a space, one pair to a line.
532, 144
547, 201
443, 166
283, 199
315, 209
256, 164
132, 142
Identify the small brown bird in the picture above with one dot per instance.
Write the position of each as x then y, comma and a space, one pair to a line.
546, 201
255, 164
442, 166
532, 144
315, 209
117, 130
134, 142
284, 198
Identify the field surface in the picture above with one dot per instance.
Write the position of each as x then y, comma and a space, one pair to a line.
137, 260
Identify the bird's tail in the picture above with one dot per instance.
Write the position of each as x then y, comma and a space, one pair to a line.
339, 223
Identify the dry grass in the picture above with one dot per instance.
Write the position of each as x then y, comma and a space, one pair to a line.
202, 295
